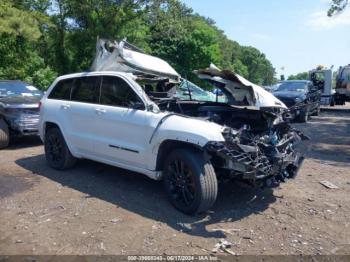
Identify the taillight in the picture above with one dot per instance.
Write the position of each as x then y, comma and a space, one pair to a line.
39, 104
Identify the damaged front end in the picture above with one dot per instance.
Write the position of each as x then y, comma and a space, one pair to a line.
259, 146
263, 159
19, 107
22, 121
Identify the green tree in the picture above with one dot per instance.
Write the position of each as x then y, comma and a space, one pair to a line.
299, 76
20, 34
337, 6
186, 41
260, 69
89, 19
37, 36
18, 23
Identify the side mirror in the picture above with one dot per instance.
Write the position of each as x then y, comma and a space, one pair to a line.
138, 106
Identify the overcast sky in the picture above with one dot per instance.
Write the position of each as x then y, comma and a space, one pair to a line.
294, 34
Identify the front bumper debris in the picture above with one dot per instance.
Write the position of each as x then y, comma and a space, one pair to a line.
262, 164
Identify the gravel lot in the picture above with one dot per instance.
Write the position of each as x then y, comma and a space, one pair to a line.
98, 209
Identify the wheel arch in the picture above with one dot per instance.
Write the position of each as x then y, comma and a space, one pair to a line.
7, 122
3, 117
169, 145
51, 124
4, 133
48, 125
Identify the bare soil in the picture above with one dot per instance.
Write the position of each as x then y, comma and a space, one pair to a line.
98, 209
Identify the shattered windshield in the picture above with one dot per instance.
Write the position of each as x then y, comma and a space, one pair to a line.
18, 89
190, 91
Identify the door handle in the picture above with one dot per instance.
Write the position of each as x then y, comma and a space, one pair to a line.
65, 106
100, 111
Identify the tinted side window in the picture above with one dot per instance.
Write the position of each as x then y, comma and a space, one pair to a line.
62, 90
116, 92
86, 89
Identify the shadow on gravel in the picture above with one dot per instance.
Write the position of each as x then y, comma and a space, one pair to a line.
146, 197
330, 139
10, 185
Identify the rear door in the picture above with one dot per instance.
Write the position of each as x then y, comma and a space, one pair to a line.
122, 123
58, 107
81, 113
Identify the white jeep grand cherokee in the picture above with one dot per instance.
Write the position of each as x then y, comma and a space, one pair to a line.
107, 116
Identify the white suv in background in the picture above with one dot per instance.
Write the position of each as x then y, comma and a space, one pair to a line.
106, 116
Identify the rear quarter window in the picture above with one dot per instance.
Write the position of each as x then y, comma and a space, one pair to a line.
62, 90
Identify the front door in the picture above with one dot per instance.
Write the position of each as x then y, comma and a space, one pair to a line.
123, 124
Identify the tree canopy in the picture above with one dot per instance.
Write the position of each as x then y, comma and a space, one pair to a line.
41, 39
337, 6
299, 76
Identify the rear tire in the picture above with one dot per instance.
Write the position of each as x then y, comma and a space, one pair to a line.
190, 181
57, 152
4, 134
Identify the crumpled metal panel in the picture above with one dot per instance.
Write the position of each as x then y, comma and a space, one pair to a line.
124, 57
234, 83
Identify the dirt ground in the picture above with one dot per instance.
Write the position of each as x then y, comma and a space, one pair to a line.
98, 209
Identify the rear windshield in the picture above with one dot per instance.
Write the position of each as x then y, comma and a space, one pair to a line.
18, 89
190, 91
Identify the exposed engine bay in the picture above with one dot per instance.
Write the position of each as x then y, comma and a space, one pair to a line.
259, 146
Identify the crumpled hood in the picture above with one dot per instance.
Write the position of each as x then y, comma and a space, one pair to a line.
124, 57
238, 86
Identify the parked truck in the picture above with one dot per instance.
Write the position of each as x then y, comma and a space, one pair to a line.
322, 78
342, 87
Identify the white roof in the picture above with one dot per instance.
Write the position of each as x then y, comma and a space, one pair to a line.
96, 73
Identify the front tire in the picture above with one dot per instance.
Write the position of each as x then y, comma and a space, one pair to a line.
190, 181
57, 153
4, 134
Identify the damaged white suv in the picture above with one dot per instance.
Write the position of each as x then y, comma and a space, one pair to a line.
129, 119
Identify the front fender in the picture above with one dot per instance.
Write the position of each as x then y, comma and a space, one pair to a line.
184, 129
189, 130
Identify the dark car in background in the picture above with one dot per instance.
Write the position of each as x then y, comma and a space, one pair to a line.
19, 110
301, 97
